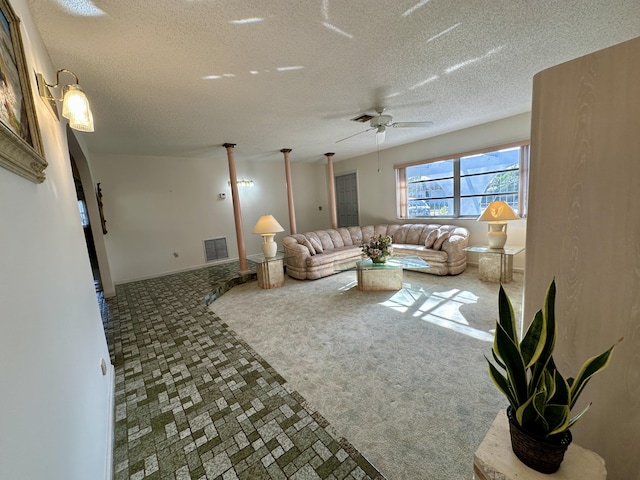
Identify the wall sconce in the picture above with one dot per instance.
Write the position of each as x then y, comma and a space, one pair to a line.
75, 105
242, 183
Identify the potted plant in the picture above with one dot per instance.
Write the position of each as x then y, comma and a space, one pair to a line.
540, 398
378, 249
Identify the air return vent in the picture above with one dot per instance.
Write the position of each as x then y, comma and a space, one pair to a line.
362, 118
215, 249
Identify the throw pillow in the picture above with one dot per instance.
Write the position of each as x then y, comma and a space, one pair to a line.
307, 244
431, 238
316, 245
442, 236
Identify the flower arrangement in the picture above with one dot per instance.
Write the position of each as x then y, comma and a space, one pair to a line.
378, 249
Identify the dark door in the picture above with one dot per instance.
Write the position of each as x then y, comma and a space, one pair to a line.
347, 199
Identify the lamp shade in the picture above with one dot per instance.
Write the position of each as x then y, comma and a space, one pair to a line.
83, 125
497, 211
496, 214
267, 224
75, 107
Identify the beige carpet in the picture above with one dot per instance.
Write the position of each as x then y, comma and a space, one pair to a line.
401, 375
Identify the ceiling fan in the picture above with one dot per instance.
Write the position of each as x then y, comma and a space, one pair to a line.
381, 122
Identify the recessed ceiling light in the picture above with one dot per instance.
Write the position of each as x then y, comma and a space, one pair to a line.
211, 77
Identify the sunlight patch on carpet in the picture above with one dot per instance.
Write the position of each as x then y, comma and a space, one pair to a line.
403, 299
438, 308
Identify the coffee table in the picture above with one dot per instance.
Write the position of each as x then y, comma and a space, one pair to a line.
386, 276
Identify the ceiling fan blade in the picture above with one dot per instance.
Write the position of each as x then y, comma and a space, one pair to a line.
411, 124
355, 134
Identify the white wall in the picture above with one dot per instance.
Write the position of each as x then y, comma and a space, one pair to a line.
54, 406
376, 190
310, 193
156, 206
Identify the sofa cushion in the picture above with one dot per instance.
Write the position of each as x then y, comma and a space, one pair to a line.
336, 238
346, 237
413, 234
325, 240
317, 246
408, 249
303, 240
356, 235
314, 240
426, 231
400, 235
331, 256
443, 234
380, 230
431, 237
367, 234
392, 229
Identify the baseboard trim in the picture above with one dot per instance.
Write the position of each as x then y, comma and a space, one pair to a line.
108, 469
180, 270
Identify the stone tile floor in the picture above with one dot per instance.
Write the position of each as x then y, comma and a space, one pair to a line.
194, 401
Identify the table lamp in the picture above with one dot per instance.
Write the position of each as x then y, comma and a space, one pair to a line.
268, 226
496, 214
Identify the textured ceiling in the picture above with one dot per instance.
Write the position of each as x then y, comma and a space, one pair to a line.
296, 75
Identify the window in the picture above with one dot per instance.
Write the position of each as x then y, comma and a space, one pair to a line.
84, 214
463, 185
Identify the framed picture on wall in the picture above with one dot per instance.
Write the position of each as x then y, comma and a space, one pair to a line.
20, 145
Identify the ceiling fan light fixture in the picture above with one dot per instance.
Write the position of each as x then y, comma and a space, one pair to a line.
381, 121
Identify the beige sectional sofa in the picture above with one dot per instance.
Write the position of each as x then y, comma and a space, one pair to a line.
324, 252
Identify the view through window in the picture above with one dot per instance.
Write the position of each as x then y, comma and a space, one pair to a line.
464, 185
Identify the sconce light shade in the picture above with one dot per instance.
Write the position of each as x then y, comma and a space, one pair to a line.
75, 107
268, 226
496, 214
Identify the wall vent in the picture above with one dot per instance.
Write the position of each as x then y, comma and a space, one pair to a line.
215, 249
362, 118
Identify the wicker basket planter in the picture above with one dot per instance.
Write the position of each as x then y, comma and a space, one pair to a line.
541, 454
540, 397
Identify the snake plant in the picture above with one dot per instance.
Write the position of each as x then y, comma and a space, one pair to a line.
540, 396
